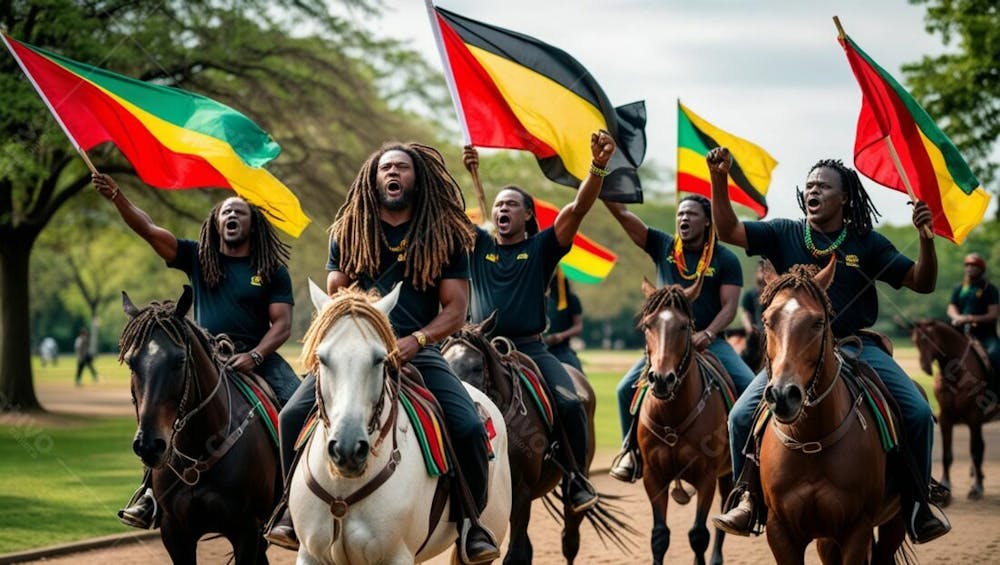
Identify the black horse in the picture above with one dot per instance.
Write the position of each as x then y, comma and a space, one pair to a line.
215, 470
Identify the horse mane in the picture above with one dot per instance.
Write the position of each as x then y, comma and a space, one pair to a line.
347, 302
800, 276
160, 314
671, 296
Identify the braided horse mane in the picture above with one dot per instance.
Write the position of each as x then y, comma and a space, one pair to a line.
670, 296
358, 305
163, 315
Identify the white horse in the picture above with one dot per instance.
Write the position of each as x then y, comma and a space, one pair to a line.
352, 449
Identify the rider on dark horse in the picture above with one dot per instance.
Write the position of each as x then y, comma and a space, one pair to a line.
241, 289
680, 259
510, 274
974, 308
839, 218
404, 221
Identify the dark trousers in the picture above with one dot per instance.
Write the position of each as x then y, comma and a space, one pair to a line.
568, 406
85, 361
565, 354
280, 376
467, 432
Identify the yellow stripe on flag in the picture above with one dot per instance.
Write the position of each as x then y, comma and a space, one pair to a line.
755, 161
963, 211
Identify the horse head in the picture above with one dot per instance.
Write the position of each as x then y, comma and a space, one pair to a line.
470, 354
937, 341
800, 352
155, 346
350, 348
667, 322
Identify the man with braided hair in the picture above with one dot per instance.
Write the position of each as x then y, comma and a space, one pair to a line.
241, 288
404, 221
510, 274
839, 220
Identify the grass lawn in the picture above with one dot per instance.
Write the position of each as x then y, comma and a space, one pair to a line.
65, 481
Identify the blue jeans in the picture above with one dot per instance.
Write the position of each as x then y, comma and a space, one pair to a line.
916, 413
737, 369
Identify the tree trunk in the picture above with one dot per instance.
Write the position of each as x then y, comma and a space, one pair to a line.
17, 391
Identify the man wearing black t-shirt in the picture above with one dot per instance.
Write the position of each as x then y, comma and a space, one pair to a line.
839, 218
241, 289
510, 272
973, 308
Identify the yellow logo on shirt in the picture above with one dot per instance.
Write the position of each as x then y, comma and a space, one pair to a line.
256, 280
401, 258
851, 260
492, 257
522, 256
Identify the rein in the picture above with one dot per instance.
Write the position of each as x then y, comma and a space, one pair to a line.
683, 367
670, 434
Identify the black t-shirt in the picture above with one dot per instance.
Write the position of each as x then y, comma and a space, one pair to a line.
860, 262
724, 269
976, 300
560, 320
238, 306
751, 303
415, 308
512, 280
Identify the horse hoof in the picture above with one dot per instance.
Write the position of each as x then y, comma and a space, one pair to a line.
975, 494
681, 494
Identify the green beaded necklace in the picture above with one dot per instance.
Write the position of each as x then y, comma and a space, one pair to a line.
807, 235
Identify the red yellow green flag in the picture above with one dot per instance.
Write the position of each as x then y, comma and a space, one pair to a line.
749, 176
587, 261
173, 138
931, 162
513, 91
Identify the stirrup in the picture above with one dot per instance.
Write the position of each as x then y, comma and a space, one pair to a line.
463, 538
143, 519
620, 471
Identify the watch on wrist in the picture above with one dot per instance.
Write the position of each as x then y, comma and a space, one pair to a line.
421, 338
258, 359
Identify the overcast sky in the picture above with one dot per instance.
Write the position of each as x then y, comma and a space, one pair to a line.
768, 70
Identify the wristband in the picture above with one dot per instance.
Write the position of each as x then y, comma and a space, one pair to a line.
258, 359
711, 334
421, 338
598, 171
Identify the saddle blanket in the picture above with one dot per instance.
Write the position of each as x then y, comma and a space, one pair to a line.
261, 402
535, 389
710, 377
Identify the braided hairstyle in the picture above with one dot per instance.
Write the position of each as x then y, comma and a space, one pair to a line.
439, 227
860, 213
799, 276
267, 252
671, 296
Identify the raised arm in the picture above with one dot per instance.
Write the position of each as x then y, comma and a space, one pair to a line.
922, 276
567, 223
730, 228
160, 239
636, 229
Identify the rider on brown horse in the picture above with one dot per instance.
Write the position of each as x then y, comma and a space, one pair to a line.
679, 260
510, 274
974, 308
839, 217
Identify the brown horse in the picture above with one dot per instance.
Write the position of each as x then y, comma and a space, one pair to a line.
961, 388
214, 467
682, 421
822, 466
475, 359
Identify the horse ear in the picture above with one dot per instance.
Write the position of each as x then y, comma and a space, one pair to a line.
184, 302
648, 288
487, 325
767, 269
127, 305
825, 276
692, 292
319, 298
388, 302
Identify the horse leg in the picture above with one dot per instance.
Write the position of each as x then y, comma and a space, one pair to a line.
660, 538
976, 449
181, 543
946, 455
725, 487
786, 549
856, 546
249, 546
519, 549
571, 533
890, 537
698, 536
829, 551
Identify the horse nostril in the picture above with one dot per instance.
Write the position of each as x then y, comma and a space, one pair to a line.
769, 394
670, 379
331, 448
793, 394
361, 453
137, 446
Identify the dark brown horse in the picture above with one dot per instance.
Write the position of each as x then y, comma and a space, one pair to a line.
682, 421
961, 388
214, 467
822, 466
476, 361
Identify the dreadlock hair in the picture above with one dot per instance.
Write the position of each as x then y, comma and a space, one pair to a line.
531, 226
438, 229
347, 301
861, 214
706, 206
267, 252
800, 276
670, 296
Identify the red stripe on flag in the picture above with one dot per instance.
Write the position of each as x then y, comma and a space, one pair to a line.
546, 213
687, 182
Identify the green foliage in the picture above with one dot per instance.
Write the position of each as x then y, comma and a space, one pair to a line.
961, 88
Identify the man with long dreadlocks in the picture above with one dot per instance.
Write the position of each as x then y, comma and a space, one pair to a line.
680, 260
241, 288
510, 274
838, 220
404, 221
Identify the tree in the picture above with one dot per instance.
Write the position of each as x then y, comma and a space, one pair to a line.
319, 95
961, 88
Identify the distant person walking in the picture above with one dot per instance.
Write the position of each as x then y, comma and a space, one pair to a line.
84, 355
48, 351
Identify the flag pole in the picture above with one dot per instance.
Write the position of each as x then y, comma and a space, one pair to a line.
892, 148
677, 168
48, 104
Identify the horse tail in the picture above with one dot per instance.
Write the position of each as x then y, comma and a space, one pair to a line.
905, 555
610, 521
